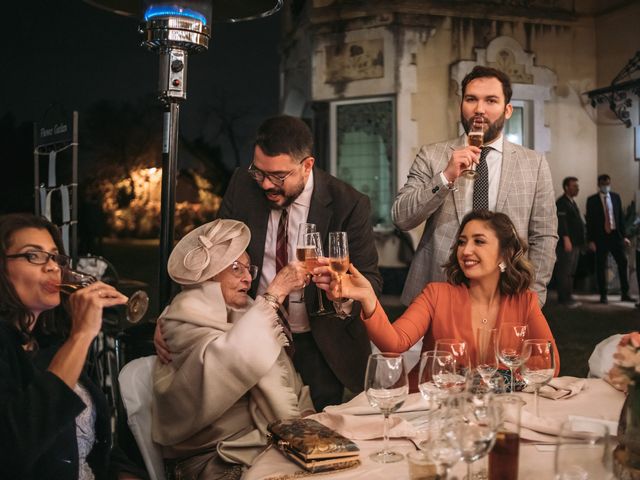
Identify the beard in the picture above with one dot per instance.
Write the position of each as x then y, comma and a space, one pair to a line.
493, 128
288, 197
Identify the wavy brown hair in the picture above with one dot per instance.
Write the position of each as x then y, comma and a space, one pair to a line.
12, 310
518, 274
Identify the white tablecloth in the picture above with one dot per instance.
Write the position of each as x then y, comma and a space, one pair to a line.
598, 400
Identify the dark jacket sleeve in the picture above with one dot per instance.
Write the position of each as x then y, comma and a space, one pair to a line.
563, 227
620, 216
34, 408
362, 247
591, 233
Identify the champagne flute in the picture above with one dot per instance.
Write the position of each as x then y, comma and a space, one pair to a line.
303, 250
475, 138
538, 366
509, 346
435, 365
73, 280
339, 263
486, 359
315, 239
386, 385
458, 349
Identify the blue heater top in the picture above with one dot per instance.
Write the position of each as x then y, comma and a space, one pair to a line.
158, 11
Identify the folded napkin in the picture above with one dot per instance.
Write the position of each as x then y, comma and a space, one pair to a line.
359, 405
545, 429
559, 388
365, 427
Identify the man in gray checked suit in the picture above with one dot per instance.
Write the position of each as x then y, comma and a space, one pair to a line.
511, 179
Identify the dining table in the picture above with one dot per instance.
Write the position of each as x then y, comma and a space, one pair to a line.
592, 398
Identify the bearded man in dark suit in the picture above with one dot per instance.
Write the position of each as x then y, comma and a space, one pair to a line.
606, 233
282, 189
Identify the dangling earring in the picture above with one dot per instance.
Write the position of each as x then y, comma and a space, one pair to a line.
502, 266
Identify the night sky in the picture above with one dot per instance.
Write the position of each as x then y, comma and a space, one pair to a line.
75, 54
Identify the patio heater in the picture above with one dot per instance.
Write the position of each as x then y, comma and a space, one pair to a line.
175, 29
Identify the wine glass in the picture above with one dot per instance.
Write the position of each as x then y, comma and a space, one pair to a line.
436, 439
486, 359
460, 353
435, 365
538, 366
339, 263
583, 451
473, 426
509, 346
475, 138
136, 306
303, 249
315, 239
386, 385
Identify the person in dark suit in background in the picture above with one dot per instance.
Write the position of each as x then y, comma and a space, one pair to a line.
606, 233
282, 183
571, 240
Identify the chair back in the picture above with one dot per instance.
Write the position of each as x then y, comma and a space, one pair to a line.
136, 389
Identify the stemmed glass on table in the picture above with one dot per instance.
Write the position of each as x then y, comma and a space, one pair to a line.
435, 367
436, 439
386, 386
538, 366
73, 280
339, 263
474, 425
509, 345
486, 359
456, 381
475, 137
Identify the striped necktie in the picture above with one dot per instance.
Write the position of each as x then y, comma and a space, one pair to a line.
282, 258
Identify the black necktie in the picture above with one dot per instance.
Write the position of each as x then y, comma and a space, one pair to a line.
481, 184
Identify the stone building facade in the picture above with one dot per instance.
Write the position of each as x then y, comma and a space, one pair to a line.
377, 79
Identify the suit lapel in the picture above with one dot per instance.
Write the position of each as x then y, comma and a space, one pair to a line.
321, 214
509, 163
319, 211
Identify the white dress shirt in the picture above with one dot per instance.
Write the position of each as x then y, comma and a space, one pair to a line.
298, 212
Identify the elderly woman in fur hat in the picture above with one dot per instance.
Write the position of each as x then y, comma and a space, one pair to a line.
229, 375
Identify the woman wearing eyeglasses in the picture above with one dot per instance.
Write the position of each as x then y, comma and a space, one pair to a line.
54, 422
229, 374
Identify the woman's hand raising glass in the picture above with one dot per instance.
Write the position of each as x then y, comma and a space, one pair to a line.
352, 285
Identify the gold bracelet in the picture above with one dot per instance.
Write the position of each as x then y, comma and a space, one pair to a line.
272, 300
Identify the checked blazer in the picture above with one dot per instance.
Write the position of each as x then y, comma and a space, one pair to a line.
525, 194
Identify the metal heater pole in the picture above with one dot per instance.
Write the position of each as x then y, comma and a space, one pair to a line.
168, 198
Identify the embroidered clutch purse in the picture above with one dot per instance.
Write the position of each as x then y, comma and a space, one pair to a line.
313, 446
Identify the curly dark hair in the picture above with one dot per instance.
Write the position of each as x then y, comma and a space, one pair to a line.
12, 310
285, 134
518, 274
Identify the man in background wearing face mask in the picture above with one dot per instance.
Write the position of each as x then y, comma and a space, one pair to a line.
606, 233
